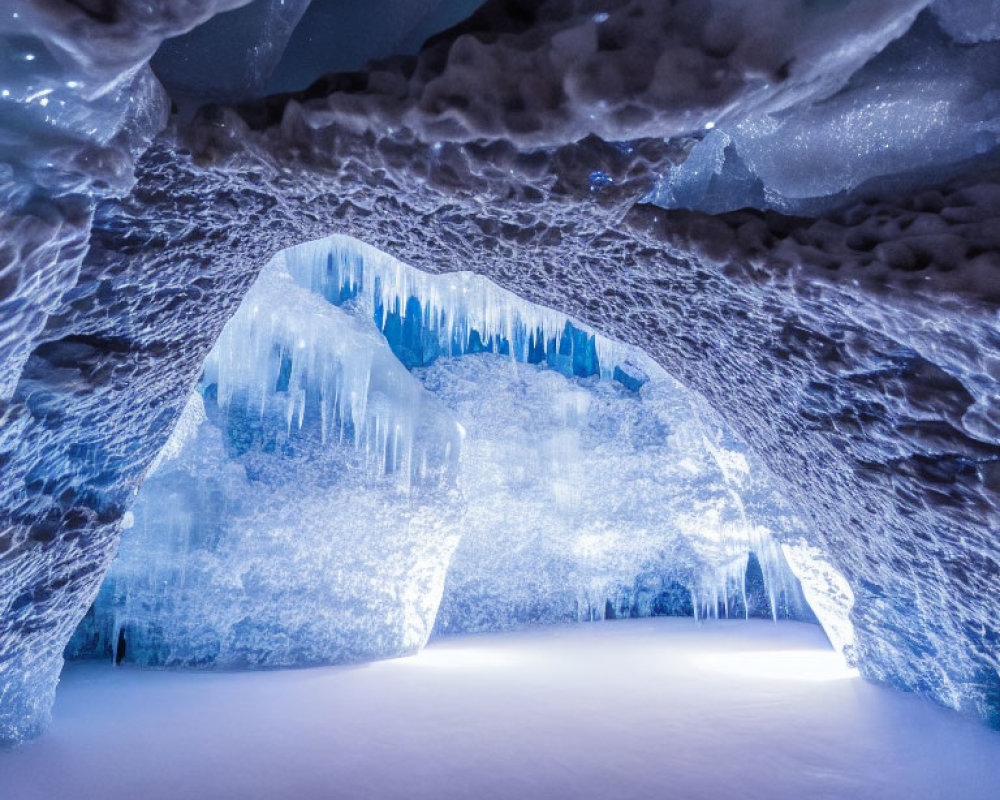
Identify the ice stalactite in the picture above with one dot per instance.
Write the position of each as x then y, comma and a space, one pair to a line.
751, 574
451, 314
288, 351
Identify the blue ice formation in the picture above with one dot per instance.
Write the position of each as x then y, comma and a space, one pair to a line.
926, 102
318, 501
307, 491
588, 500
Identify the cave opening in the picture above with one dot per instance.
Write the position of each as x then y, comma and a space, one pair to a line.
375, 455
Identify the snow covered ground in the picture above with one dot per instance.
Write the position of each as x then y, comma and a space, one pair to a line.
658, 707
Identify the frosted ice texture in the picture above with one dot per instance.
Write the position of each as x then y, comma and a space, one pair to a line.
308, 506
828, 593
713, 178
78, 104
550, 73
921, 103
66, 141
588, 500
969, 21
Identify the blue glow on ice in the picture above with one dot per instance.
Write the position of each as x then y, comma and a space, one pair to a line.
373, 450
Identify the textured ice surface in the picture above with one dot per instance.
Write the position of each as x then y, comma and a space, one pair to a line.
969, 21
552, 72
713, 178
829, 595
308, 505
78, 104
61, 147
922, 101
587, 500
853, 347
920, 104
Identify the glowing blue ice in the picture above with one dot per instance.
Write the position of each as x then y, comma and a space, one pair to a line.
318, 499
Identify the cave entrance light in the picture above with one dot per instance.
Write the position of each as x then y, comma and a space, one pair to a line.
375, 453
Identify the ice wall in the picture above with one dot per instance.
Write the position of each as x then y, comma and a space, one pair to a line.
587, 499
78, 105
303, 510
308, 506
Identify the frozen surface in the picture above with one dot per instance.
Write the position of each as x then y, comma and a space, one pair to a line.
308, 505
921, 104
625, 709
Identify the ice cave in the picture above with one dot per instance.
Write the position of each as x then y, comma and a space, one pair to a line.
500, 398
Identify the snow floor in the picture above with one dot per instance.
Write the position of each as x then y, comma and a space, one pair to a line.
655, 708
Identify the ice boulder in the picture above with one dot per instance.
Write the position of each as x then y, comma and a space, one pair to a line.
921, 106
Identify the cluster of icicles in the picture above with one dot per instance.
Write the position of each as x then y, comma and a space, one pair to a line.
283, 335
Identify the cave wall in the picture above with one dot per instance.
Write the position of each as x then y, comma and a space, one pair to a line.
856, 351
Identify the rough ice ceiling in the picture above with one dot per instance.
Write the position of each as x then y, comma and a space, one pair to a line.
792, 208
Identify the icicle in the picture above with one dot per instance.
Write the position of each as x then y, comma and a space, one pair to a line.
743, 593
332, 354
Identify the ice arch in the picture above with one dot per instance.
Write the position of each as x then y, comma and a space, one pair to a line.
372, 449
